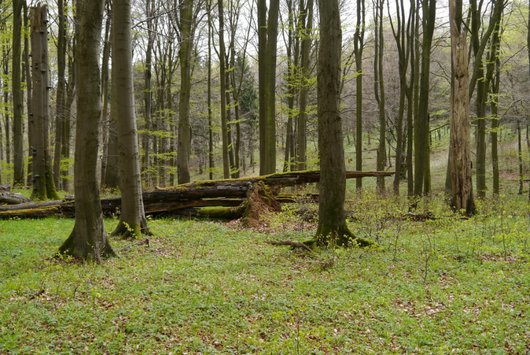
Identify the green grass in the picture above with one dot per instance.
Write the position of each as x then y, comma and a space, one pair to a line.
435, 286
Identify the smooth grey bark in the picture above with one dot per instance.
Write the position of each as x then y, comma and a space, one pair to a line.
132, 221
88, 240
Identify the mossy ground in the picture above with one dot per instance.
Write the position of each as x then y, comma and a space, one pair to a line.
436, 286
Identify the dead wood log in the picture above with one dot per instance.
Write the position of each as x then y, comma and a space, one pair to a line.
188, 199
292, 178
12, 198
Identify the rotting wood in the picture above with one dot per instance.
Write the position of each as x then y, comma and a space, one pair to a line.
230, 196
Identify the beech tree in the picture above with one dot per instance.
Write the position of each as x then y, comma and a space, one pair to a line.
43, 184
88, 240
422, 175
184, 129
267, 37
358, 44
332, 228
132, 216
16, 78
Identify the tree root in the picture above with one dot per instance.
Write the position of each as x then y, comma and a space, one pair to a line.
294, 245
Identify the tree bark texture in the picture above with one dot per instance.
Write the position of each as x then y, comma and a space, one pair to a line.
267, 38
184, 128
332, 227
43, 184
60, 118
88, 240
459, 149
132, 218
17, 94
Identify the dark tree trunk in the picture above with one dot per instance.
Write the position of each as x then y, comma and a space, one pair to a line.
43, 184
332, 228
184, 128
267, 37
422, 177
358, 43
18, 95
60, 117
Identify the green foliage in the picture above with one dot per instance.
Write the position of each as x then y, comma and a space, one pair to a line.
437, 286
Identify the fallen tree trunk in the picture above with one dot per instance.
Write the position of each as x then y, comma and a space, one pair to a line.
230, 196
11, 198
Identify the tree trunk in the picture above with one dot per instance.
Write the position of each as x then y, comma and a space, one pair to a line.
494, 74
88, 240
306, 20
332, 228
7, 119
520, 158
223, 85
132, 217
459, 149
184, 128
211, 161
61, 93
43, 184
17, 93
421, 124
148, 94
267, 38
29, 91
379, 89
358, 43
109, 166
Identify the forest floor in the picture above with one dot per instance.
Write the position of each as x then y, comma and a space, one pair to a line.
440, 285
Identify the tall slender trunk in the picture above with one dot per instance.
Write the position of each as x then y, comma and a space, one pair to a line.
379, 89
148, 94
109, 175
306, 20
18, 95
422, 118
184, 128
211, 162
223, 86
61, 93
358, 43
267, 38
7, 117
29, 90
132, 221
43, 184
